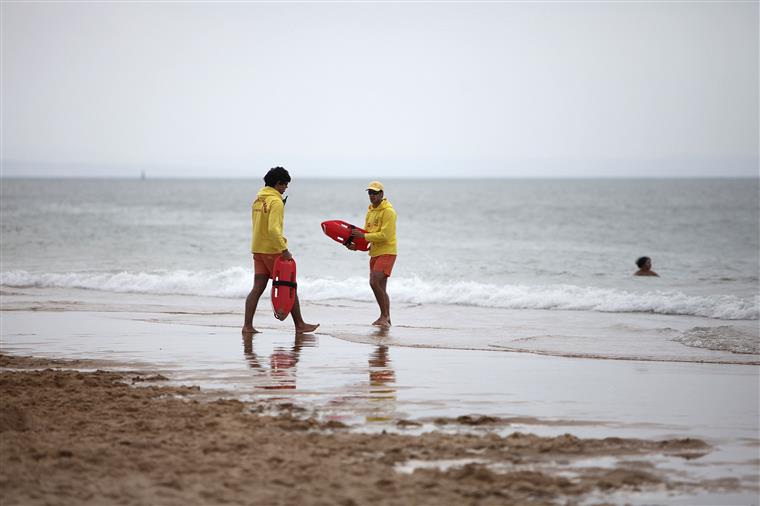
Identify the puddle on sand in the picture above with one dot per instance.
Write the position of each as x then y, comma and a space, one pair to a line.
681, 488
411, 466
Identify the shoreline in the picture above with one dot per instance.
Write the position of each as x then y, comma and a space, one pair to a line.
93, 438
592, 335
430, 425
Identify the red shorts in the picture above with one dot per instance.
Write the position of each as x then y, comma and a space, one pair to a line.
382, 263
263, 263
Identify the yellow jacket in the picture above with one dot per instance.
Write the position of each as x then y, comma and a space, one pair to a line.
380, 225
267, 216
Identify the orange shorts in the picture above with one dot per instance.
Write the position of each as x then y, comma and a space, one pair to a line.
382, 263
263, 263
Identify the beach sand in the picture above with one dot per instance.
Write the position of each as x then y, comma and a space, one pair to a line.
128, 399
68, 437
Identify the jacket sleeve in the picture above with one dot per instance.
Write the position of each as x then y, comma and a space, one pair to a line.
387, 228
276, 219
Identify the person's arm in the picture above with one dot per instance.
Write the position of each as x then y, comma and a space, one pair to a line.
276, 219
387, 228
358, 233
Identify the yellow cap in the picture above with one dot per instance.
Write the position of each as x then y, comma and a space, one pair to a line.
375, 186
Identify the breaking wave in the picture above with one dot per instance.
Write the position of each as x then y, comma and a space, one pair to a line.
236, 282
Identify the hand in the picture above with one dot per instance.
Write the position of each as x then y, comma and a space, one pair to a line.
286, 255
351, 246
357, 233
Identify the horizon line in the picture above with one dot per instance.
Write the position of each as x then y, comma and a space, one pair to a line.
407, 178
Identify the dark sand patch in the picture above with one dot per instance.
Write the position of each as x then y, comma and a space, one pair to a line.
68, 437
22, 362
494, 421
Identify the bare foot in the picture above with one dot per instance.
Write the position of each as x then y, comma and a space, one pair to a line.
306, 328
250, 330
382, 322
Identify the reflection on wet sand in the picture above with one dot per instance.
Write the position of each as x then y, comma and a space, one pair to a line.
375, 400
382, 389
281, 373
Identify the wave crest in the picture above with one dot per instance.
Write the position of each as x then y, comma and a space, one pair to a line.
236, 282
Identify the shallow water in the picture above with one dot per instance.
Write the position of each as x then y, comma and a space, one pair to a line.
357, 382
371, 382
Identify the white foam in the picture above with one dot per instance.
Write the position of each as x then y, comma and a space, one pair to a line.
723, 338
236, 282
232, 282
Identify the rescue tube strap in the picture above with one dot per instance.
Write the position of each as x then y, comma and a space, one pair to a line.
284, 283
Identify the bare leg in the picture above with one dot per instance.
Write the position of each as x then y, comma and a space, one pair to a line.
385, 311
387, 300
260, 282
378, 282
301, 326
373, 284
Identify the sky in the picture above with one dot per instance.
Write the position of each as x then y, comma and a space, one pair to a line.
379, 89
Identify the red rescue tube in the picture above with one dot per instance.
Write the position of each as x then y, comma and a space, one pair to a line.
283, 287
340, 231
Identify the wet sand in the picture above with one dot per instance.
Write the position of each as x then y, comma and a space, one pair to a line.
70, 437
190, 412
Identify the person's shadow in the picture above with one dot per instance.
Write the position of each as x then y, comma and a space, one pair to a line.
281, 373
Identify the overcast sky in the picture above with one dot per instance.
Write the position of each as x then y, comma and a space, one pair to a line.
380, 89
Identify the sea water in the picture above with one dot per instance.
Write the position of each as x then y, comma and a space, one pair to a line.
521, 245
153, 274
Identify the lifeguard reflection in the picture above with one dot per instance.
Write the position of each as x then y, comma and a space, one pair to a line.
382, 384
280, 372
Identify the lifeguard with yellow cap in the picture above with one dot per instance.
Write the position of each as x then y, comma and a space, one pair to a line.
380, 226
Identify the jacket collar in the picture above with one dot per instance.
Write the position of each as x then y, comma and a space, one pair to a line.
383, 204
268, 191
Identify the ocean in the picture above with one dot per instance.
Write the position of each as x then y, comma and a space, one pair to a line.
519, 245
512, 299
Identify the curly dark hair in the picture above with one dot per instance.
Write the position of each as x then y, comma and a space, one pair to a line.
641, 261
276, 175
